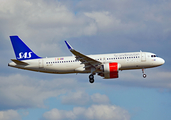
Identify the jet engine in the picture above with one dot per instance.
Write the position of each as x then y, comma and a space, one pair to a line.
110, 70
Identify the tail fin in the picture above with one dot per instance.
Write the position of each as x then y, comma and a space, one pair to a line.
22, 51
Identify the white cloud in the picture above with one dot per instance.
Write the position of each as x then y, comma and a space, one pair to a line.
19, 91
46, 23
9, 115
94, 112
100, 99
42, 20
82, 98
103, 20
77, 98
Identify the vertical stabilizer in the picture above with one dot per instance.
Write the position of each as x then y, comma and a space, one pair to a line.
21, 50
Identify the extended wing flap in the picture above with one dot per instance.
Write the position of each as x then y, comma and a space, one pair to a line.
19, 62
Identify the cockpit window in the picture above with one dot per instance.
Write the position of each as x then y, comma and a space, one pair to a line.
154, 56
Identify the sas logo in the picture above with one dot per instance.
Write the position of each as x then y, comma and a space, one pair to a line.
24, 55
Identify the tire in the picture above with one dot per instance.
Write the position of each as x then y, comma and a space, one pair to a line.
91, 76
144, 75
91, 80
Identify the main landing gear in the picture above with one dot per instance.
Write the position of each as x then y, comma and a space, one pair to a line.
144, 75
91, 78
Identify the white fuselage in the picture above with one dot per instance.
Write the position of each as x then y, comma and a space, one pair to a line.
63, 65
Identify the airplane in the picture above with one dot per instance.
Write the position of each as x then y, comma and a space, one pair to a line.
104, 65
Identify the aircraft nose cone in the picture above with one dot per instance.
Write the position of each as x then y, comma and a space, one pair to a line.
162, 61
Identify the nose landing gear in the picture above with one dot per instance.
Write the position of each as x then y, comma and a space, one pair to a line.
91, 78
144, 75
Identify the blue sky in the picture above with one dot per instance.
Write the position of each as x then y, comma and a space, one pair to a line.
91, 27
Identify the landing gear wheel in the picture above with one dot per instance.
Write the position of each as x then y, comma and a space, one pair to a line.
91, 78
144, 75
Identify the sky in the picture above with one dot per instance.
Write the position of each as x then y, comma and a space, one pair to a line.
91, 27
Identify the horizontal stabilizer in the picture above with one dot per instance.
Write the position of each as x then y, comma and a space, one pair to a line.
19, 62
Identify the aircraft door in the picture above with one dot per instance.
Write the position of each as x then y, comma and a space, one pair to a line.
143, 57
41, 63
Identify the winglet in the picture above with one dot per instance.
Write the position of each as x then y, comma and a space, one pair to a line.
68, 45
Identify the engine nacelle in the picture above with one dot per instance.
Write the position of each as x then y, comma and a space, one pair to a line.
110, 70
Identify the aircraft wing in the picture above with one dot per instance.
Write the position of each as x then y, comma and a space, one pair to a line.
83, 58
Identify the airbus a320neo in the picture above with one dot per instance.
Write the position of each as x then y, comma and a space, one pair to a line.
104, 65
